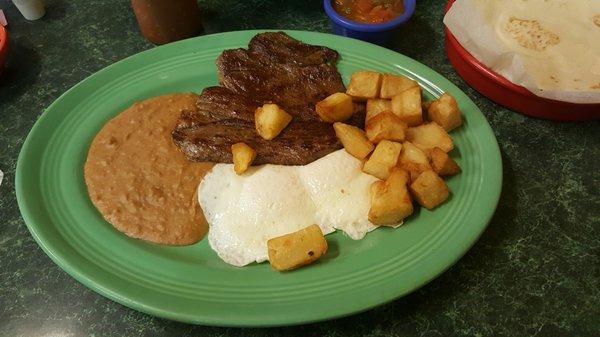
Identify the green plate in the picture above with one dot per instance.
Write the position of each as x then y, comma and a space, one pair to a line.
191, 284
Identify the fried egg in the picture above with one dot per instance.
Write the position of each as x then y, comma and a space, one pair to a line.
245, 211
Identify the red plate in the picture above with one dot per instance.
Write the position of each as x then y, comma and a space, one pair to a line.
3, 47
515, 97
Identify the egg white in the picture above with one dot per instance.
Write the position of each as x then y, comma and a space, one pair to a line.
245, 211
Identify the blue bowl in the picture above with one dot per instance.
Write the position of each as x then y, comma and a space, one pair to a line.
378, 33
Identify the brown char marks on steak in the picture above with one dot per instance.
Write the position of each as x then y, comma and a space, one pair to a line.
275, 68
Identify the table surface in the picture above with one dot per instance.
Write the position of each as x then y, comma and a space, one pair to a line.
534, 272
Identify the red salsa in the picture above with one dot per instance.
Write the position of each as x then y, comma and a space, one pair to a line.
369, 11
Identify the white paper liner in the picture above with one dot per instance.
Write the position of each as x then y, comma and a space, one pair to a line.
568, 71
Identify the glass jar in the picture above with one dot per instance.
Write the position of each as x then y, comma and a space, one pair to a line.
164, 21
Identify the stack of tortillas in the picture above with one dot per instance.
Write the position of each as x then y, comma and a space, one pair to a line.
551, 47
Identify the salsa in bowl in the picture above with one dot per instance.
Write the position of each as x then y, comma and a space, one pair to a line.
369, 20
369, 11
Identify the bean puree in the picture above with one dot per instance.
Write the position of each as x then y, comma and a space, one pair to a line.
139, 180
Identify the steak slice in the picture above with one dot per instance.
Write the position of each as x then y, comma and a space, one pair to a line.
281, 69
275, 68
223, 118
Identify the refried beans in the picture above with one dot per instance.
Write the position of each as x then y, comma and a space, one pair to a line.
139, 180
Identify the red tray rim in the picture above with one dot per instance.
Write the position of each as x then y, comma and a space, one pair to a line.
494, 76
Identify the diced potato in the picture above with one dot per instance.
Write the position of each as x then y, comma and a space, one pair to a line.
429, 189
383, 159
445, 112
392, 85
413, 160
243, 156
354, 140
428, 136
442, 164
386, 125
270, 120
414, 174
407, 106
364, 84
376, 106
390, 201
336, 107
297, 249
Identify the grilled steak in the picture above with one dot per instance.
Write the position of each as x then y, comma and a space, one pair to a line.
278, 68
223, 118
275, 68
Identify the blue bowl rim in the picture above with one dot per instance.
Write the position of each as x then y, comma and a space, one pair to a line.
409, 9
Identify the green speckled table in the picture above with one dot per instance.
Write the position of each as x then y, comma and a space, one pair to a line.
534, 272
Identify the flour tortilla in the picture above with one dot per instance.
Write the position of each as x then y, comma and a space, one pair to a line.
551, 47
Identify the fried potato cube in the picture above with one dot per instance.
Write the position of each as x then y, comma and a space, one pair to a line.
354, 140
414, 175
383, 159
430, 135
297, 249
442, 164
376, 106
270, 120
413, 160
243, 156
429, 189
445, 112
336, 107
364, 84
407, 106
390, 200
392, 85
387, 126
